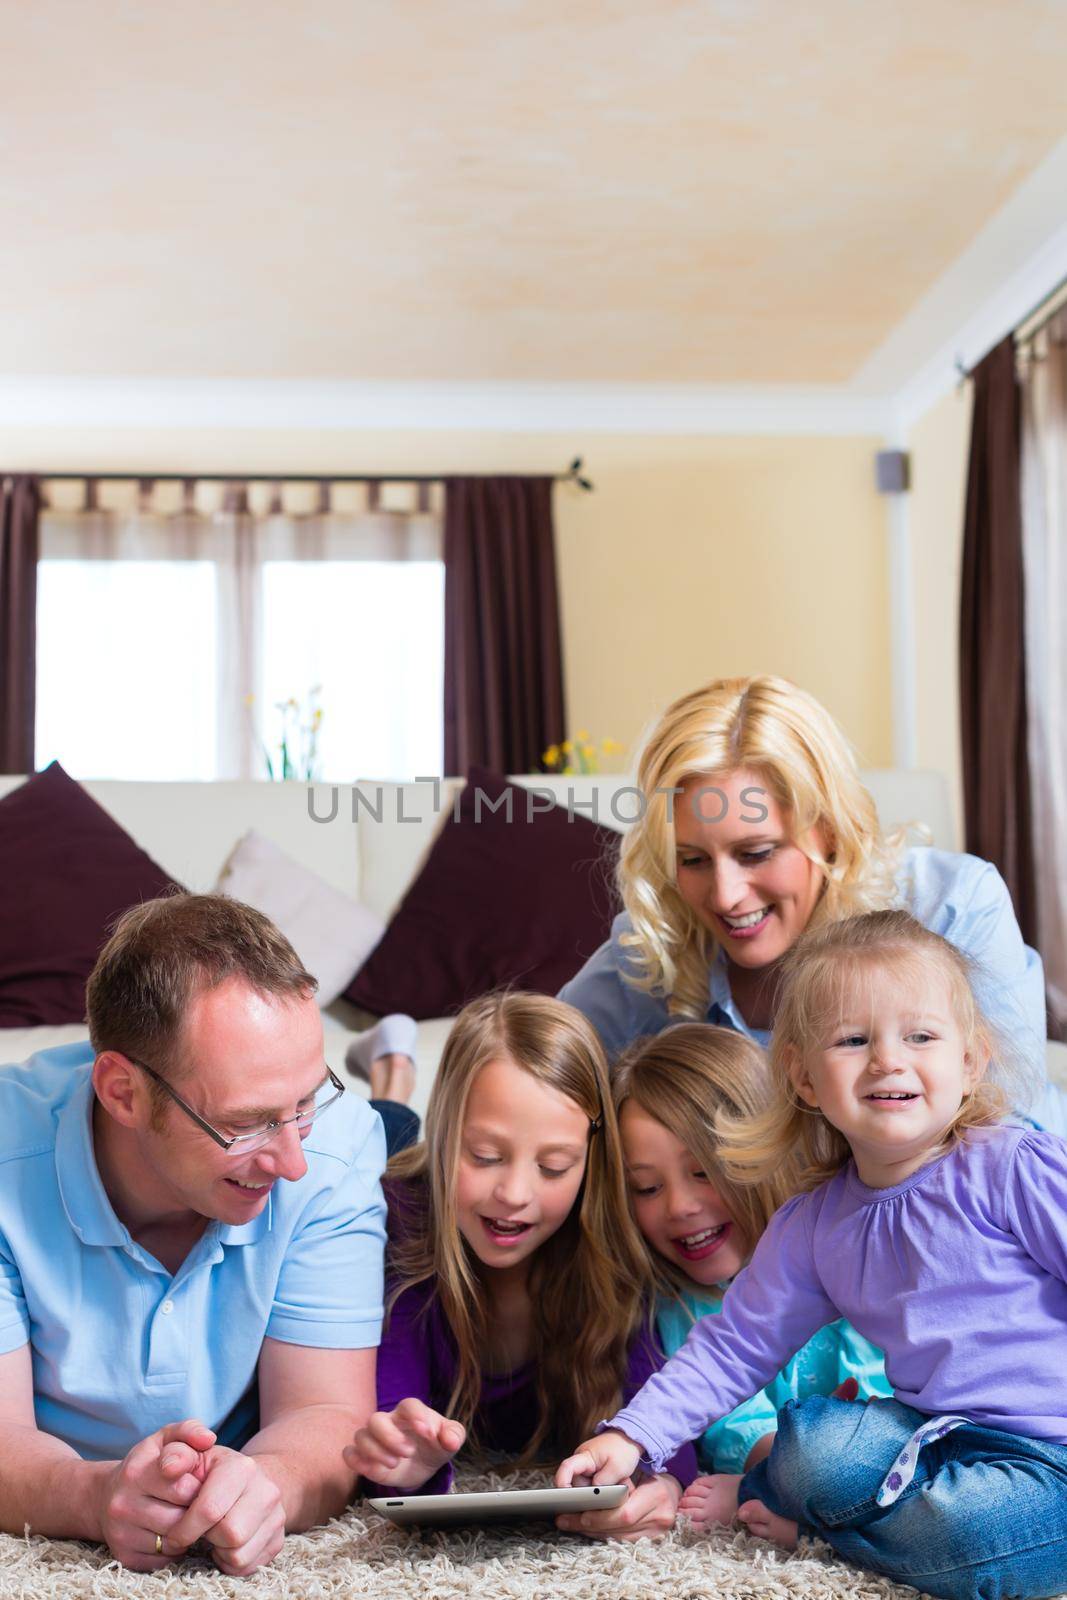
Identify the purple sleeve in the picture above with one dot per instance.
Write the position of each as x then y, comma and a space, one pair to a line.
1035, 1200
406, 1368
646, 1358
770, 1311
405, 1365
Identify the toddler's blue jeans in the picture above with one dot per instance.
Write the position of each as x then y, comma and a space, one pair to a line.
984, 1518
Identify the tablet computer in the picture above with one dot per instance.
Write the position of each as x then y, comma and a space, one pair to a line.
500, 1505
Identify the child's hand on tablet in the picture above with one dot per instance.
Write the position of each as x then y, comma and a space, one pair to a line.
648, 1512
405, 1447
608, 1458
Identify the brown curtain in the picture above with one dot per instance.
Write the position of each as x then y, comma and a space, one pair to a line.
19, 510
996, 772
503, 657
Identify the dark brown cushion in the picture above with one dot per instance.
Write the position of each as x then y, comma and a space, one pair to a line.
521, 902
67, 870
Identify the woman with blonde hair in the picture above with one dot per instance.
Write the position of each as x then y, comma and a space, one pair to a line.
515, 1312
700, 1225
754, 826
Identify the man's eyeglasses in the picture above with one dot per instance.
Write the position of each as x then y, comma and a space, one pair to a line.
240, 1144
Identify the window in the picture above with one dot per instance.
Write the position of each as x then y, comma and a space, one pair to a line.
165, 644
372, 634
127, 668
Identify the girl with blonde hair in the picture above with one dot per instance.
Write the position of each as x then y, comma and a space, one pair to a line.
700, 1225
515, 1314
940, 1232
754, 826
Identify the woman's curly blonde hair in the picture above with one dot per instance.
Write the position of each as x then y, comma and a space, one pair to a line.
770, 726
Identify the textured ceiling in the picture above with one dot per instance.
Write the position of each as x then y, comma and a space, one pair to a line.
727, 191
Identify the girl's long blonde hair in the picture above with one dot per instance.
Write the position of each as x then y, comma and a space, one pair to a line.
768, 725
586, 1282
834, 968
688, 1078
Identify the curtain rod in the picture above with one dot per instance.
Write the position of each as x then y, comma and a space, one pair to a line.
1042, 313
573, 475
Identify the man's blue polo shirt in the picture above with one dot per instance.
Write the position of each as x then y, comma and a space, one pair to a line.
119, 1346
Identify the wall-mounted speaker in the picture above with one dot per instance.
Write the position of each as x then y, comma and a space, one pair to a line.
892, 471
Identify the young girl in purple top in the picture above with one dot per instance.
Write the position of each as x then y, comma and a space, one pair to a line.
941, 1234
515, 1315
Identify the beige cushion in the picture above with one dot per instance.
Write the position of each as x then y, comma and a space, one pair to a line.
332, 934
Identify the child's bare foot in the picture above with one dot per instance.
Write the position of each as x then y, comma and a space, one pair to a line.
711, 1502
764, 1524
401, 1080
390, 1071
392, 1078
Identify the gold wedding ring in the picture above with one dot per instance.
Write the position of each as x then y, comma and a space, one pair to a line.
159, 1544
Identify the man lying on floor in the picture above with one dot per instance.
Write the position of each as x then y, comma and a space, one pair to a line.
177, 1241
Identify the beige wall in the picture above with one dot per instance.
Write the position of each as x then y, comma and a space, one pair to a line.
709, 557
939, 445
695, 557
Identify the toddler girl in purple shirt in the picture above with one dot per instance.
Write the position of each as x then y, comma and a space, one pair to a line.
941, 1234
514, 1310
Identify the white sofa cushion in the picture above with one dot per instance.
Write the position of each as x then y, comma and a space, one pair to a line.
331, 933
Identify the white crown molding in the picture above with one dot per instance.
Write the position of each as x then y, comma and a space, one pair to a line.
1004, 311
1010, 266
567, 408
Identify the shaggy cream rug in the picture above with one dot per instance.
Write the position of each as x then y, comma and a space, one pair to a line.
362, 1557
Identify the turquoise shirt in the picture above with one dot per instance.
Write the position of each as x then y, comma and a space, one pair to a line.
121, 1347
835, 1353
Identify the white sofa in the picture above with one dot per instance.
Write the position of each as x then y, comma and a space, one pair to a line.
191, 828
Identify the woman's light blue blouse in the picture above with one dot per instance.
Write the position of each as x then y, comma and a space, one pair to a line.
833, 1354
963, 899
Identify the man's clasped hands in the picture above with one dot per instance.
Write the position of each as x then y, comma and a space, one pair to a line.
181, 1483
